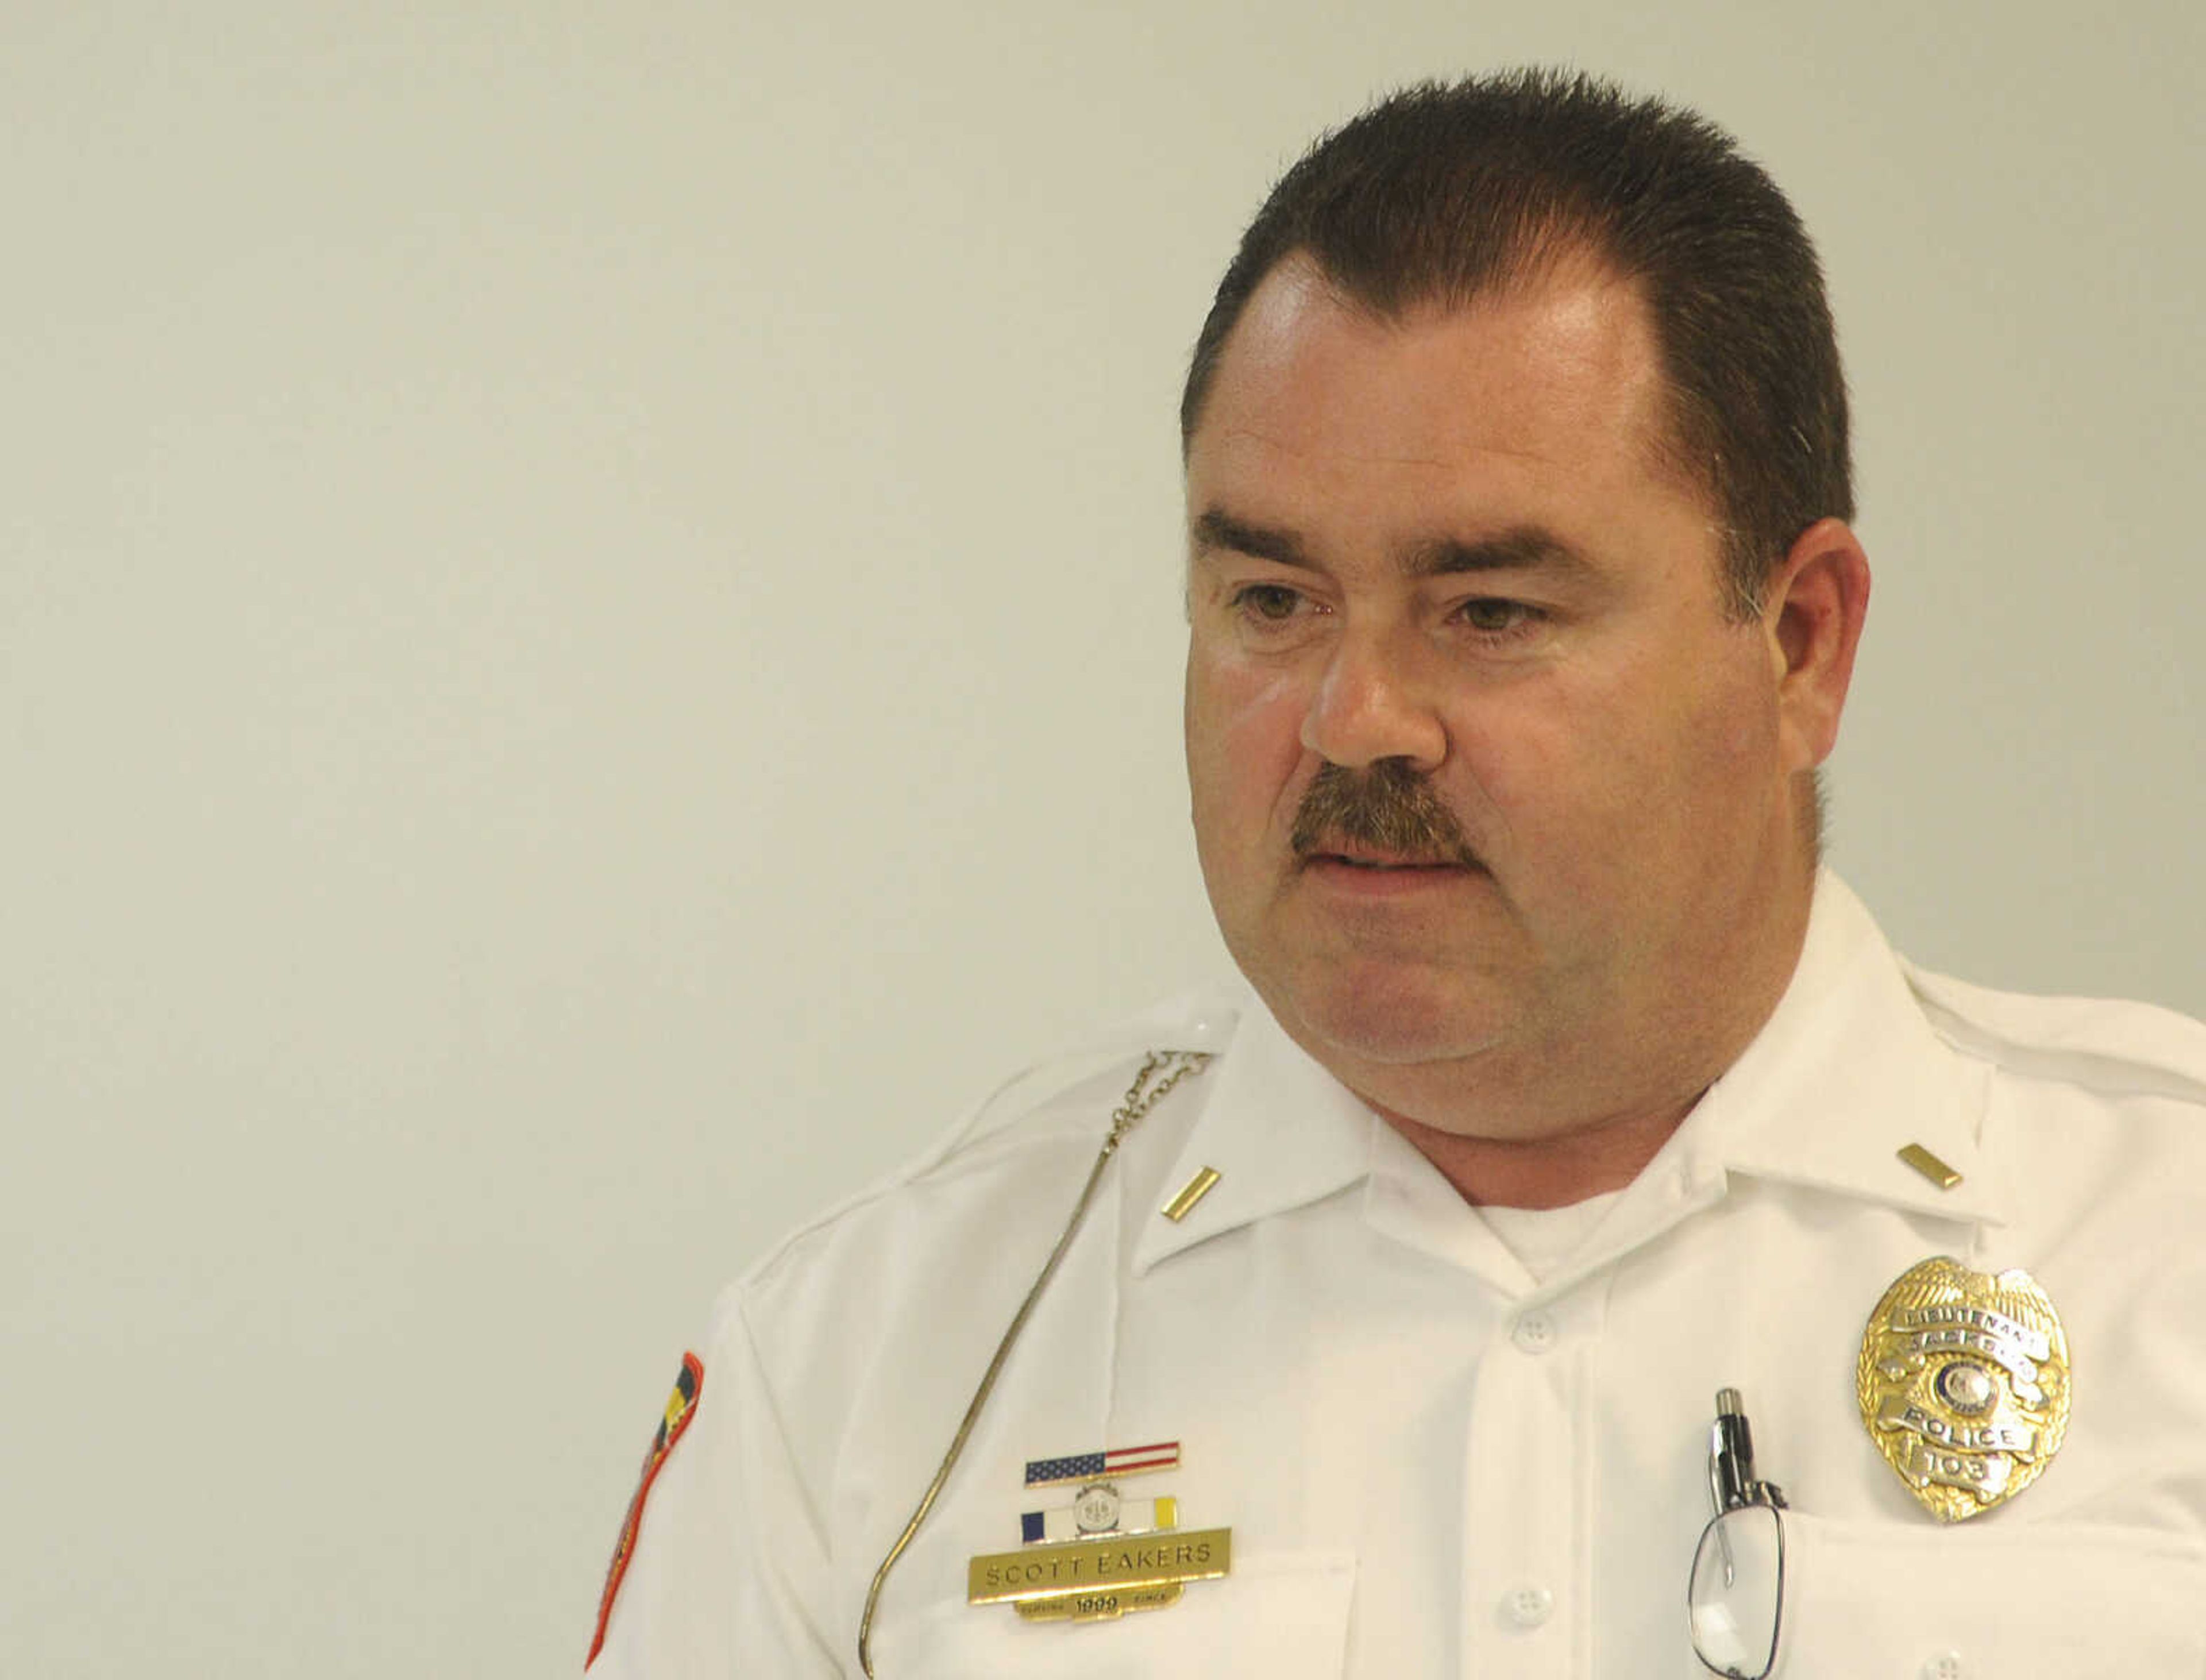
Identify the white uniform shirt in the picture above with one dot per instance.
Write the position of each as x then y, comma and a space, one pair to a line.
1432, 1464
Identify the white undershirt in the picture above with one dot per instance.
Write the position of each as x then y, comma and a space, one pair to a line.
1542, 1238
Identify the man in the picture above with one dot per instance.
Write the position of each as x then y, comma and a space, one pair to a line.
1387, 1336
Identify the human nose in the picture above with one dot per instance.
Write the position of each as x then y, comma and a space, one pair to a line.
1369, 706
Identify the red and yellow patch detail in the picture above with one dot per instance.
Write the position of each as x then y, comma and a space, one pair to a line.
681, 1407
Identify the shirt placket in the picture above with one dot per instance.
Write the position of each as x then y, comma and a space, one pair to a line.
1527, 1449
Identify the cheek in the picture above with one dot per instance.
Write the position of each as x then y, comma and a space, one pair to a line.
1244, 735
1601, 781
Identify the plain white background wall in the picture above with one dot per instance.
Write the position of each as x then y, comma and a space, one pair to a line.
590, 653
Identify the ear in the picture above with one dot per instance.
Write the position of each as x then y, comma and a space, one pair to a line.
1812, 615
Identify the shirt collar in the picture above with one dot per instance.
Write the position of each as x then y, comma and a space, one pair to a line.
1846, 1073
1280, 1131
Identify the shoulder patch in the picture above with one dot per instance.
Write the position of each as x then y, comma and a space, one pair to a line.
681, 1407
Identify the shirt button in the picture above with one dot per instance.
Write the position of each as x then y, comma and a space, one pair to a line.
1528, 1606
1535, 1333
1945, 1666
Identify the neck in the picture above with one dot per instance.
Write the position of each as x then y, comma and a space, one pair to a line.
1544, 1171
1548, 1124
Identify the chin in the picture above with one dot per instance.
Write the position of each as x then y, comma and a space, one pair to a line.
1388, 1020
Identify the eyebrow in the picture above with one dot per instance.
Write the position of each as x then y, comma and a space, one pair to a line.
1215, 530
1520, 548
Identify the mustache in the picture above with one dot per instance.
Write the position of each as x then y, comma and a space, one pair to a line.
1390, 807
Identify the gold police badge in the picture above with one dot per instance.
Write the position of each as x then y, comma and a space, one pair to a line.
1963, 1384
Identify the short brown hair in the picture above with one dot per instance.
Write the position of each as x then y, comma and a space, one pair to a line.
1443, 192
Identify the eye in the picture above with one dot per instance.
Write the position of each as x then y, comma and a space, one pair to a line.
1274, 603
1491, 616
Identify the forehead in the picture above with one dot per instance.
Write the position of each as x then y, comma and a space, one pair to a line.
1549, 389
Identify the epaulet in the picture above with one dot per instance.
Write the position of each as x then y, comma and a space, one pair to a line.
2106, 1045
1200, 1019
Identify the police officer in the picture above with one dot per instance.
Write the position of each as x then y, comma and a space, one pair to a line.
1371, 1318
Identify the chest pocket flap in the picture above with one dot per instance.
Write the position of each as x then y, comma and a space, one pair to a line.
2079, 1602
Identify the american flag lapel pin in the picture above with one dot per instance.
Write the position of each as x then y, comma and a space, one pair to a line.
1103, 1466
1102, 1554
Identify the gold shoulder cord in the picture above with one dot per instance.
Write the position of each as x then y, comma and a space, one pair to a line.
1168, 1068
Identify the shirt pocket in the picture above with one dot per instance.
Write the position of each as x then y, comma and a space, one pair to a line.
1284, 1616
1865, 1601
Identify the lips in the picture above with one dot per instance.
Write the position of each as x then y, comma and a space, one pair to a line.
1377, 861
1359, 875
1373, 854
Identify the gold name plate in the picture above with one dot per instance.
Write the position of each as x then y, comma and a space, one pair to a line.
1089, 1581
